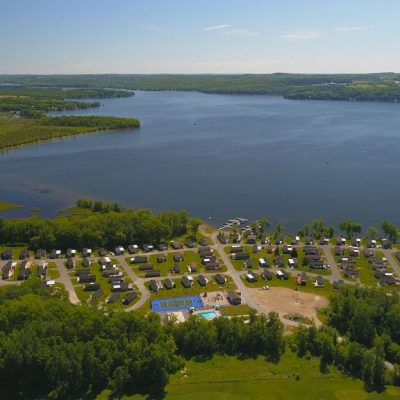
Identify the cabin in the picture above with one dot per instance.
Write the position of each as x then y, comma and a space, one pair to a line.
319, 281
162, 246
55, 254
309, 241
146, 267
153, 286
310, 250
111, 271
97, 294
119, 250
281, 274
336, 285
234, 298
387, 279
386, 244
86, 262
280, 239
350, 272
236, 248
222, 238
104, 261
262, 263
293, 263
398, 255
102, 252
80, 272
186, 282
267, 275
25, 270
176, 245
317, 264
129, 298
368, 252
323, 241
138, 260
190, 243
6, 255
271, 249
70, 263
339, 251
251, 239
148, 247
116, 278
113, 298
340, 241
205, 251
202, 280
133, 248
41, 270
371, 243
176, 269
152, 273
213, 266
192, 267
86, 252
257, 249
303, 279
356, 242
24, 254
240, 256
220, 279
71, 253
286, 249
248, 263
41, 253
121, 287
161, 259
264, 240
251, 277
354, 252
91, 287
207, 260
279, 262
86, 278
8, 270
203, 242
169, 284
178, 257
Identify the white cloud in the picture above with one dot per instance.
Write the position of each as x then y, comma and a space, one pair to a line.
216, 27
306, 35
240, 33
351, 28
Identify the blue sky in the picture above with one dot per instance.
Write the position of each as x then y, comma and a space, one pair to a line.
199, 36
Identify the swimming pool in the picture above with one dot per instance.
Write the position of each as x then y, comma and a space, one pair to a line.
208, 314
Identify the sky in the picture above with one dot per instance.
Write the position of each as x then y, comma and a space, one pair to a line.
199, 36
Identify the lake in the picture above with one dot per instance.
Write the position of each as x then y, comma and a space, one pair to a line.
221, 156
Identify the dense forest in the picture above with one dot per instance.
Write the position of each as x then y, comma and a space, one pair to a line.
23, 119
101, 225
361, 87
52, 349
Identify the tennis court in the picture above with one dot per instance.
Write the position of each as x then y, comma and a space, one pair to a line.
176, 303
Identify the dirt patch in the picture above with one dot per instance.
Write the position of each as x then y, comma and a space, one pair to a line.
288, 301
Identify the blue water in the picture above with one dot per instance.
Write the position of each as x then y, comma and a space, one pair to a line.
208, 314
221, 156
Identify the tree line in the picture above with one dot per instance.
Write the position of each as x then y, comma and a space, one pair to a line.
104, 225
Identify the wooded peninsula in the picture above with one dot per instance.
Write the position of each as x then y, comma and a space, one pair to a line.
23, 116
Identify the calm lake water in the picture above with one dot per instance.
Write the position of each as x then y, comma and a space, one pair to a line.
221, 156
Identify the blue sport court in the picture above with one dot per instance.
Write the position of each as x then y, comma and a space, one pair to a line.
176, 303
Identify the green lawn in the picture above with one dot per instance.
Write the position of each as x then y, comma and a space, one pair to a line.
231, 311
327, 290
226, 378
366, 273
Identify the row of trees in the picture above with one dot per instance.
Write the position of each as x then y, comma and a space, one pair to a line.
108, 227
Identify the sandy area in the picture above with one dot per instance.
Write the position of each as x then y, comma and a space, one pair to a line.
287, 301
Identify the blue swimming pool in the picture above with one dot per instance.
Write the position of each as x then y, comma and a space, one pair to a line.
208, 314
177, 303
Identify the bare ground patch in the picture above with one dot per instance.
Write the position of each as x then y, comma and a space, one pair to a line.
286, 302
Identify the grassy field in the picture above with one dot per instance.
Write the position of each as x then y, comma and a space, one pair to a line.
5, 205
226, 378
327, 290
232, 311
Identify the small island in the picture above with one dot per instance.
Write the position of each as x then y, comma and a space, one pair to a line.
5, 206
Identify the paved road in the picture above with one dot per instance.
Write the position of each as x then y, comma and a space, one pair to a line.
66, 281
